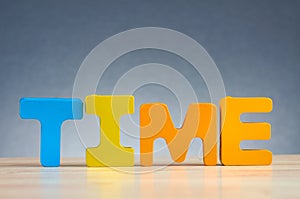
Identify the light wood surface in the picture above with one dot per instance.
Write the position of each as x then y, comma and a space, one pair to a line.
25, 178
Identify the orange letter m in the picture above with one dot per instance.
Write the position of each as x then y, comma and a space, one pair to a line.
200, 122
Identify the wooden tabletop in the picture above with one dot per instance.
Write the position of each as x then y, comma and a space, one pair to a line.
25, 178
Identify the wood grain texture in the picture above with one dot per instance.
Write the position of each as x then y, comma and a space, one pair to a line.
25, 178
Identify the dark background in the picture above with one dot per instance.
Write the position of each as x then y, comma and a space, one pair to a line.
255, 44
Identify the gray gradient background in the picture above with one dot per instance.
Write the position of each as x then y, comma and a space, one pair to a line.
255, 44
